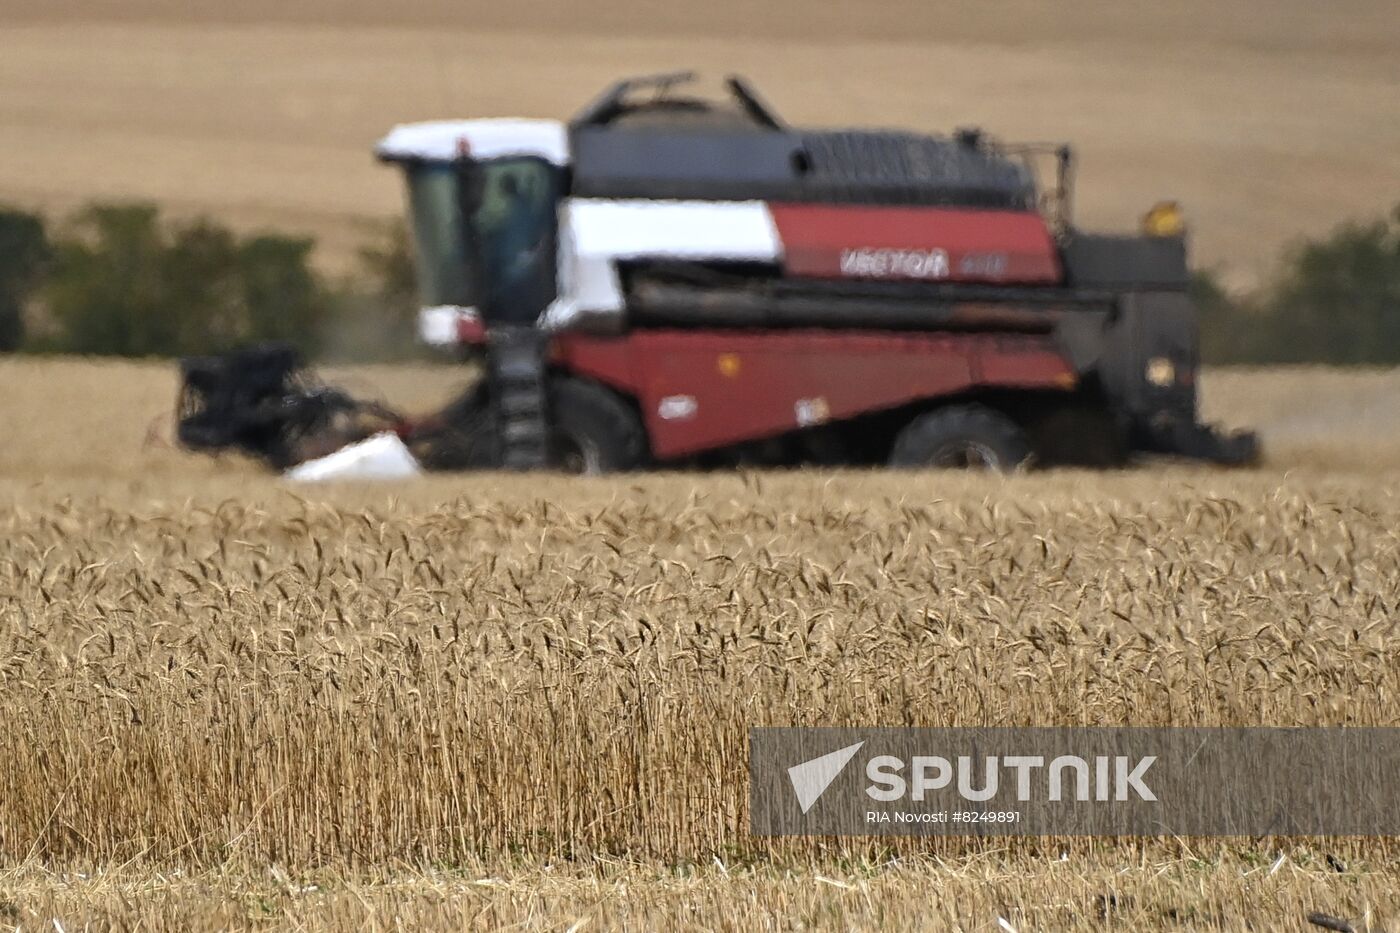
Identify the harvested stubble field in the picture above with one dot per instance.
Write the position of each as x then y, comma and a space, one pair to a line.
1269, 120
486, 701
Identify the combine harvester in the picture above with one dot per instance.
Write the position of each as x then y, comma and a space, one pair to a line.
670, 280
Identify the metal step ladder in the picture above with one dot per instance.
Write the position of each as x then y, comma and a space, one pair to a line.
519, 397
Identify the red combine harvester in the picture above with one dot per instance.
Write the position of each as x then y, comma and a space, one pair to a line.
672, 280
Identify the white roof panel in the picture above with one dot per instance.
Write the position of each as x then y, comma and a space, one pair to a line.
481, 139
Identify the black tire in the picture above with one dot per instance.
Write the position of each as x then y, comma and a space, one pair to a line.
961, 436
595, 431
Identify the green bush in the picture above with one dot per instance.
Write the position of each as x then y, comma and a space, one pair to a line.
126, 284
1337, 301
24, 256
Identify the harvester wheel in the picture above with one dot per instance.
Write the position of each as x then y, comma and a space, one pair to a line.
595, 431
961, 436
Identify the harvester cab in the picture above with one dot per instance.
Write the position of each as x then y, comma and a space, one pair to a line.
668, 278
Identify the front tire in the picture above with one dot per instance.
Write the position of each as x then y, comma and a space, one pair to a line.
594, 430
961, 437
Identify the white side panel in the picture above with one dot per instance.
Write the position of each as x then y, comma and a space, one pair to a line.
595, 235
481, 139
739, 230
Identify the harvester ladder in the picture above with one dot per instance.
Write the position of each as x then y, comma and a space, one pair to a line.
519, 395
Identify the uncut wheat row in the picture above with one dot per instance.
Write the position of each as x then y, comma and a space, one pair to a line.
312, 683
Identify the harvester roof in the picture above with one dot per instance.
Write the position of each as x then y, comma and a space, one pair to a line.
641, 139
448, 140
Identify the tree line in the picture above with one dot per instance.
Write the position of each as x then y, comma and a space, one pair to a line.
120, 279
1336, 300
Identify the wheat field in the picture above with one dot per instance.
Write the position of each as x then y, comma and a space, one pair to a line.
496, 701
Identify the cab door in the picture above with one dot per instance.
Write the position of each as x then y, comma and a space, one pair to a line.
513, 209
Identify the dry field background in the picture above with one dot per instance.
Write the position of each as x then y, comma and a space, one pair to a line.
1268, 119
487, 701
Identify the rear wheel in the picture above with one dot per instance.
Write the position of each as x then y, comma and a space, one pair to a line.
961, 437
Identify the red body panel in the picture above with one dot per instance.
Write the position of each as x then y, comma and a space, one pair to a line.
916, 244
704, 390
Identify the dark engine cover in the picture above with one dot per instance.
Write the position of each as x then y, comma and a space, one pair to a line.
1120, 263
726, 163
